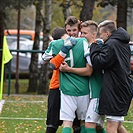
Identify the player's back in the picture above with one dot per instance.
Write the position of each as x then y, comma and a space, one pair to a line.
72, 84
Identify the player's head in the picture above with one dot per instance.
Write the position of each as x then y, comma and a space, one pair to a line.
72, 26
106, 28
58, 32
89, 30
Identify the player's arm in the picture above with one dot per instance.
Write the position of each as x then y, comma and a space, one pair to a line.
56, 61
45, 58
86, 71
47, 55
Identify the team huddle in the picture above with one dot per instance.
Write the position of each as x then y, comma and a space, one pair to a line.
91, 77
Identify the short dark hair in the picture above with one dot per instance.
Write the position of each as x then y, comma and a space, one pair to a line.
72, 20
58, 32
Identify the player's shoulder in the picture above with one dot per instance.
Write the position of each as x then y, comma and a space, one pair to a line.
81, 39
56, 42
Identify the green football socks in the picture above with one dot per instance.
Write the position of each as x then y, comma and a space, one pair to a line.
82, 129
90, 130
67, 130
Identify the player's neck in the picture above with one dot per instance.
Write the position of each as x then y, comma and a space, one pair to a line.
65, 36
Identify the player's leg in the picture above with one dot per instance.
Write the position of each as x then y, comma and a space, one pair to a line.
100, 124
67, 126
113, 122
121, 128
111, 126
93, 118
67, 111
53, 120
83, 102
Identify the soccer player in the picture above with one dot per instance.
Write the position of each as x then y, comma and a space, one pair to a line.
93, 120
53, 121
55, 47
72, 26
74, 88
114, 59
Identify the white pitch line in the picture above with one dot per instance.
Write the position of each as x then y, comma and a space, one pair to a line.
128, 121
1, 104
11, 118
24, 101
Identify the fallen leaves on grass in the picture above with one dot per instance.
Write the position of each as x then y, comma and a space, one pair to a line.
27, 107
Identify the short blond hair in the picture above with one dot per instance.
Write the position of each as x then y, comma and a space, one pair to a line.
90, 23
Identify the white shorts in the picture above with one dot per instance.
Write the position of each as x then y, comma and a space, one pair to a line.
70, 104
115, 118
92, 113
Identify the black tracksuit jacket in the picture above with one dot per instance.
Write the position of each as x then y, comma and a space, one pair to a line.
114, 59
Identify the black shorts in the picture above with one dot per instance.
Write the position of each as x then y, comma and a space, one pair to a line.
53, 113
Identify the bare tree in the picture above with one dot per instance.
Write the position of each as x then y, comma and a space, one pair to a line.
1, 31
122, 13
122, 10
87, 10
33, 68
66, 8
44, 72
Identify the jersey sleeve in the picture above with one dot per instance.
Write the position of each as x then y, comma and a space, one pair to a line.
56, 61
86, 48
48, 54
89, 60
87, 52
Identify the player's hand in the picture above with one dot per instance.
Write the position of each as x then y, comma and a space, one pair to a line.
68, 44
99, 42
64, 67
